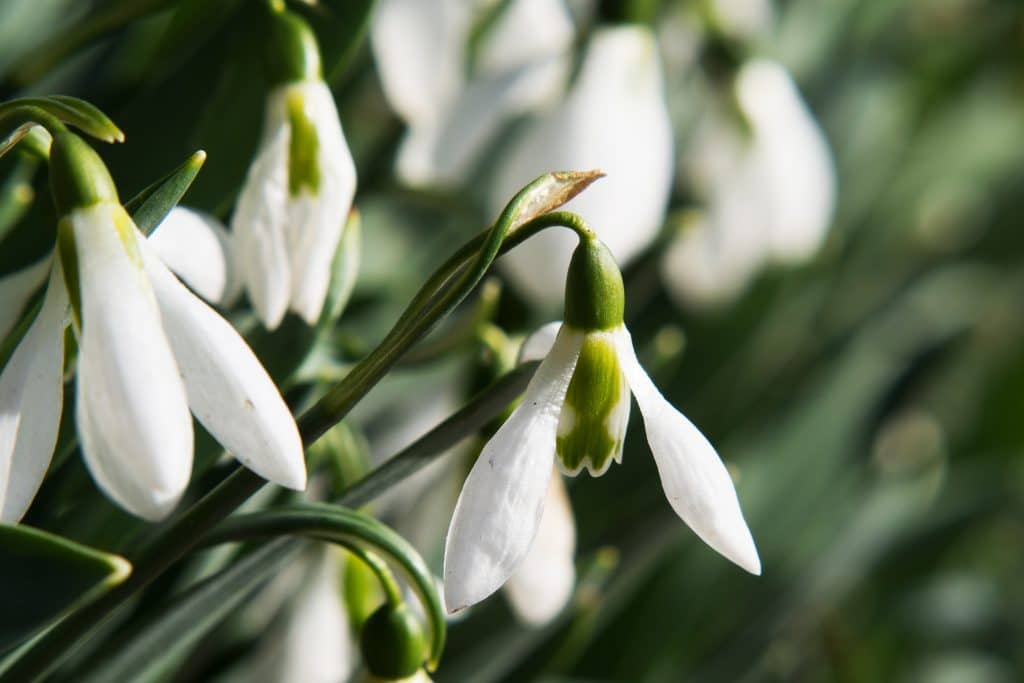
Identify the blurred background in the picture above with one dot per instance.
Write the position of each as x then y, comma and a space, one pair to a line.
822, 257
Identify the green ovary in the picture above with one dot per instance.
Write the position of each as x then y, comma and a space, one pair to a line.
303, 150
589, 427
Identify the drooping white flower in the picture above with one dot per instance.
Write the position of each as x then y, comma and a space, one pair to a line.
615, 119
295, 201
769, 192
574, 415
149, 350
453, 113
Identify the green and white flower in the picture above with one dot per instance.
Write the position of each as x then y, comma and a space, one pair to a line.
149, 351
294, 205
574, 414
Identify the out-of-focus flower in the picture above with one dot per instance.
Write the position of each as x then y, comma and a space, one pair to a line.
422, 48
770, 191
574, 414
149, 350
614, 119
295, 201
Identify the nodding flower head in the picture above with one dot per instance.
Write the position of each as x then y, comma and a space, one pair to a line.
574, 413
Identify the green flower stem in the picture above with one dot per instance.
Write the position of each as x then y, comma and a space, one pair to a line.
362, 535
16, 123
437, 298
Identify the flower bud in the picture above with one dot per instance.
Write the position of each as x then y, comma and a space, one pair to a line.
393, 643
293, 54
594, 298
78, 177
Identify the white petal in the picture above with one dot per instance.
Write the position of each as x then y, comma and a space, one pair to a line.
318, 644
17, 288
228, 390
419, 47
615, 119
131, 408
258, 224
696, 482
315, 222
792, 157
31, 400
543, 584
502, 500
538, 345
195, 245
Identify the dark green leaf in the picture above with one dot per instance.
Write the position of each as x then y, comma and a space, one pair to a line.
152, 205
42, 576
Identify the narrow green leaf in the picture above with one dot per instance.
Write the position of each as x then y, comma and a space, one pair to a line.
73, 111
43, 576
149, 207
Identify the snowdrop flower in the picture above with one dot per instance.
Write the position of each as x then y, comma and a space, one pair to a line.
421, 49
614, 118
295, 201
770, 193
149, 351
574, 414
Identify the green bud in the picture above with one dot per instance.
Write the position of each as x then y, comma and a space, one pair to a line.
78, 177
293, 53
393, 643
593, 419
594, 298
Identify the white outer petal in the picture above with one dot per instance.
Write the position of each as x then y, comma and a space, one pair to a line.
228, 390
544, 582
797, 176
17, 288
131, 409
31, 401
195, 245
538, 345
258, 224
499, 509
615, 119
318, 644
315, 223
696, 482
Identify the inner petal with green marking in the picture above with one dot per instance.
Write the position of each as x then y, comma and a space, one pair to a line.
304, 149
593, 420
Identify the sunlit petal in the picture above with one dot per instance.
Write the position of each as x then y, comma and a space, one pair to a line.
258, 224
228, 390
31, 402
195, 245
316, 220
131, 410
696, 482
501, 503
